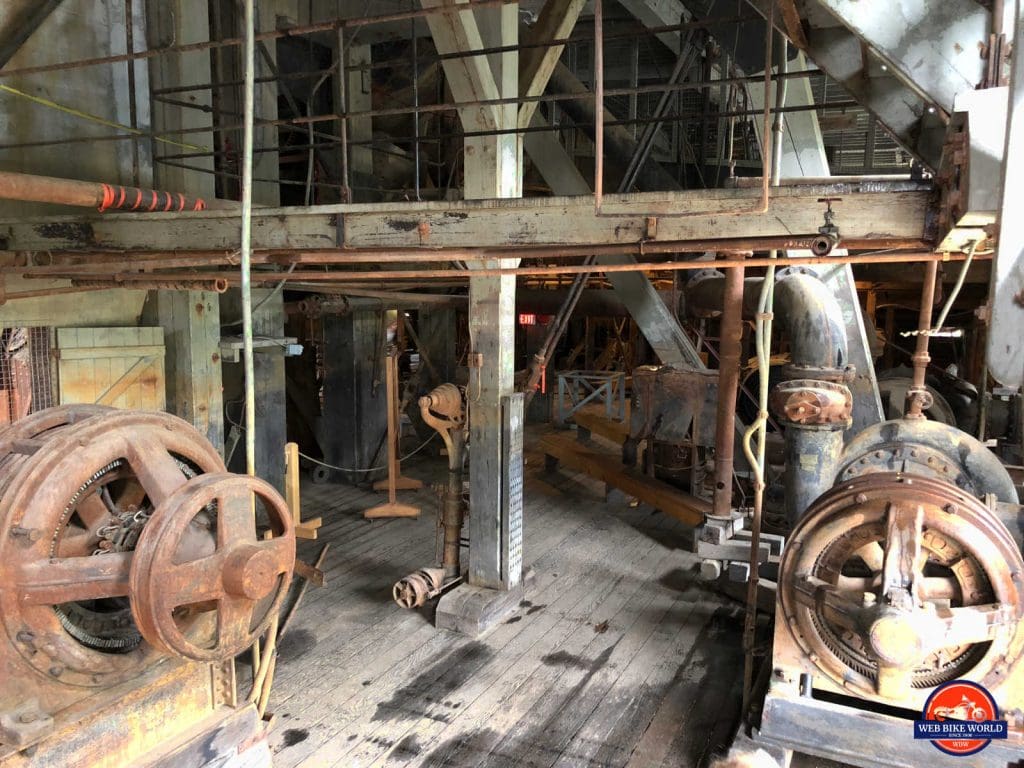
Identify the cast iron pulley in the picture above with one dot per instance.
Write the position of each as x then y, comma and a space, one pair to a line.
893, 584
76, 486
242, 580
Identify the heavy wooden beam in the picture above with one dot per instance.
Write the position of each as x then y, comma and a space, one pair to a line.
794, 26
794, 210
24, 28
556, 22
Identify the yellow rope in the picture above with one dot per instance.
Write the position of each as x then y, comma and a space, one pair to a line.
95, 118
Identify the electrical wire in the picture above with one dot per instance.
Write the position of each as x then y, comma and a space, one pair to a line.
97, 119
956, 287
277, 289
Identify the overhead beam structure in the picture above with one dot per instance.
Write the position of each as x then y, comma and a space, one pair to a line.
691, 215
555, 22
934, 47
24, 28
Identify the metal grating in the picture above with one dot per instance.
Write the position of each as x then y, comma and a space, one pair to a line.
26, 372
512, 492
854, 141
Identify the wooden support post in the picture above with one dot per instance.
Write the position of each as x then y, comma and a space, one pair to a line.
304, 529
191, 323
393, 508
395, 478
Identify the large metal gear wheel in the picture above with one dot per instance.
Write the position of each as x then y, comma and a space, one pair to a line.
893, 584
73, 480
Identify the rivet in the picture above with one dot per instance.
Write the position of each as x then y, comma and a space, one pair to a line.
56, 670
860, 498
27, 717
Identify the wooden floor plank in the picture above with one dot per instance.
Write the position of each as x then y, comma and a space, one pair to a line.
361, 682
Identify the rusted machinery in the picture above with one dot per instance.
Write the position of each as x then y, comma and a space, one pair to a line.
904, 575
443, 409
135, 568
673, 411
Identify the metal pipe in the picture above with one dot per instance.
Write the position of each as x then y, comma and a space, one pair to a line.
452, 513
730, 338
216, 286
562, 95
807, 310
416, 107
104, 197
248, 137
564, 269
918, 396
346, 188
598, 104
763, 340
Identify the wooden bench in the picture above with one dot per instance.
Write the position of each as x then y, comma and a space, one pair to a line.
609, 469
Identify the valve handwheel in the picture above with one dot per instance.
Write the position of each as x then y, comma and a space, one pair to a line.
244, 580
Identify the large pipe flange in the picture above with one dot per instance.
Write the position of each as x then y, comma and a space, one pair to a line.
242, 579
893, 584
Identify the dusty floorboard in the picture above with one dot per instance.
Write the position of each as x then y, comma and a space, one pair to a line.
617, 657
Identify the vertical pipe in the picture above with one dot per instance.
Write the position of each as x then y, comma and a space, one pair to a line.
133, 118
416, 105
731, 334
598, 104
248, 109
763, 340
918, 392
346, 193
452, 512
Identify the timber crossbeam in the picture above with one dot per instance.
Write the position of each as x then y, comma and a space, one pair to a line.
864, 213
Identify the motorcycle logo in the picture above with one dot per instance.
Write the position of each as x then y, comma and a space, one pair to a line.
960, 718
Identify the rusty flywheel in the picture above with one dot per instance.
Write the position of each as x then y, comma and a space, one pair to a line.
894, 582
87, 496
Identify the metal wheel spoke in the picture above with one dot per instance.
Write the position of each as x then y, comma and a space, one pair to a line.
903, 558
873, 556
75, 542
234, 616
193, 582
157, 471
839, 606
132, 496
940, 588
236, 517
70, 579
93, 511
972, 624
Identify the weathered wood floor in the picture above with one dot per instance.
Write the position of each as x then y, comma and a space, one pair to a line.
617, 657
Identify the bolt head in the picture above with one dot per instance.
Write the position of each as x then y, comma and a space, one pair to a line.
27, 717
